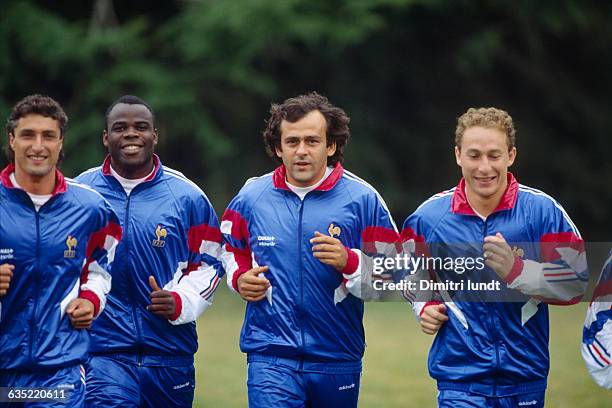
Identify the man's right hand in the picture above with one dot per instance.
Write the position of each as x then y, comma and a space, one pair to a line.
252, 287
6, 274
433, 317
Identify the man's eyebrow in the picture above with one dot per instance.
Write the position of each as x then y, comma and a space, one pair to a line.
304, 137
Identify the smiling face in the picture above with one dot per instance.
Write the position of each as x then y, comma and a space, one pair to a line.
130, 139
484, 158
303, 149
36, 142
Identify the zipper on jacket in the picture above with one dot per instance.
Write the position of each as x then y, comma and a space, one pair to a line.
126, 224
493, 320
299, 242
37, 287
33, 322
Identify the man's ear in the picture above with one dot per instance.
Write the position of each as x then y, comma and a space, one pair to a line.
458, 155
105, 138
331, 149
511, 156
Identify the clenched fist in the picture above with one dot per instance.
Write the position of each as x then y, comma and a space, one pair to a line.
251, 286
329, 251
6, 274
433, 317
81, 313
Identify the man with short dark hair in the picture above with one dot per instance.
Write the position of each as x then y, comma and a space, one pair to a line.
165, 275
57, 241
296, 246
491, 347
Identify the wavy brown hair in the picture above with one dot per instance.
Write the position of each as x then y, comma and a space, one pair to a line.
486, 118
294, 109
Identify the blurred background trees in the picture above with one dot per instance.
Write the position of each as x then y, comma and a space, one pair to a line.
404, 70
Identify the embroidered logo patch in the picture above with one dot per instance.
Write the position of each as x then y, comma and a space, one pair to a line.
518, 251
160, 233
333, 230
266, 240
71, 243
6, 253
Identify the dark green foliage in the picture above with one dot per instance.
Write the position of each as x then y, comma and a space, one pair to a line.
402, 69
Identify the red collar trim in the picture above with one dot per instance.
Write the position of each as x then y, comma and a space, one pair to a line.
460, 204
60, 181
279, 178
106, 167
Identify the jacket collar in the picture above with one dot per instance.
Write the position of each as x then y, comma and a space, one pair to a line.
106, 167
460, 204
279, 178
60, 181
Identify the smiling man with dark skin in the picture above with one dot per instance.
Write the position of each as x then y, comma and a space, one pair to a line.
132, 154
57, 241
165, 275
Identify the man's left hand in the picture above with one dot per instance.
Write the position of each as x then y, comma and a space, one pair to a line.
498, 255
81, 313
162, 301
329, 251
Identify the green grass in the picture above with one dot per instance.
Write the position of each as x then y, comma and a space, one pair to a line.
395, 363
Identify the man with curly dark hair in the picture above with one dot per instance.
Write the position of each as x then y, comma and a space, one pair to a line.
297, 241
293, 109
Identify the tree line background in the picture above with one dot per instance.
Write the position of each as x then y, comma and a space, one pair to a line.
404, 70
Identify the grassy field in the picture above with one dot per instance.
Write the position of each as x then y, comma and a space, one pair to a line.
395, 364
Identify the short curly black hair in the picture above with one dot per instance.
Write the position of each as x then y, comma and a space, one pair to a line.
294, 109
128, 100
35, 105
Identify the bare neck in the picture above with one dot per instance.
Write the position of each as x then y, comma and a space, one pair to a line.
133, 173
39, 185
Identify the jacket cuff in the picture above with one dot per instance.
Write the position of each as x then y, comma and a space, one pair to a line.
433, 302
93, 298
352, 262
178, 305
516, 270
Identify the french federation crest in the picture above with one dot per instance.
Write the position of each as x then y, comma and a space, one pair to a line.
160, 233
71, 243
333, 230
518, 251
